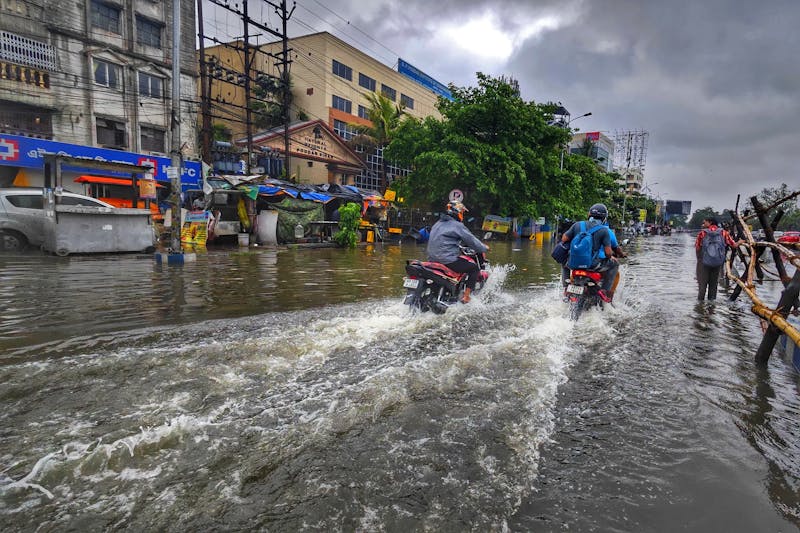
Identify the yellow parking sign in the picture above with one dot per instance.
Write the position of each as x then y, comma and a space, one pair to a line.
642, 215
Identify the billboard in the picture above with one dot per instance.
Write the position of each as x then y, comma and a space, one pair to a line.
679, 207
423, 79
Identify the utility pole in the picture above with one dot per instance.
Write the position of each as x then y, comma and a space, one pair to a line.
287, 93
175, 152
205, 97
247, 111
282, 62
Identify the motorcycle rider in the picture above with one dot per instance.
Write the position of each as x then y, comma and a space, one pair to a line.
443, 245
606, 263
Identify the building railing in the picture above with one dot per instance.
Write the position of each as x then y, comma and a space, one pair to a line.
26, 75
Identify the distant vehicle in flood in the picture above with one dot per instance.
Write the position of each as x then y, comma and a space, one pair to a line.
789, 237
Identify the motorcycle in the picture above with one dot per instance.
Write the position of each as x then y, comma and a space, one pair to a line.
433, 287
581, 292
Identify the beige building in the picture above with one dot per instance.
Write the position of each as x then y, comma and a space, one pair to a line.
328, 79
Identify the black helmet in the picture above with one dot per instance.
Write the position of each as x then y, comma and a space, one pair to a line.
456, 210
598, 212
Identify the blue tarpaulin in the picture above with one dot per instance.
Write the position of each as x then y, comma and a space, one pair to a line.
315, 196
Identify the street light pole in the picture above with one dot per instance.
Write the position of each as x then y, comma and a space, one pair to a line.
561, 165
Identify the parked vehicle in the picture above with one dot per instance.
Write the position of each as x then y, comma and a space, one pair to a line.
433, 287
22, 215
789, 237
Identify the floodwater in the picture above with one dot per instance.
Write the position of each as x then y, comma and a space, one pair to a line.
290, 390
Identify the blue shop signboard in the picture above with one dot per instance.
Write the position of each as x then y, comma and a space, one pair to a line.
28, 152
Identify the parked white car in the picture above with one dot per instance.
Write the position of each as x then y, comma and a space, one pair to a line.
22, 215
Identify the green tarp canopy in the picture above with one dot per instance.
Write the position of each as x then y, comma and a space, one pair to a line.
291, 212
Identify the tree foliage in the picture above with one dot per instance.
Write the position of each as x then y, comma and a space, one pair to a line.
696, 222
349, 219
498, 149
385, 118
267, 104
791, 210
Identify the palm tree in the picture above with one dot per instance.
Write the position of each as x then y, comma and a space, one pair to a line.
385, 117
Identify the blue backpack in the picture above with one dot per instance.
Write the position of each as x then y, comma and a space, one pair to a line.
713, 247
581, 254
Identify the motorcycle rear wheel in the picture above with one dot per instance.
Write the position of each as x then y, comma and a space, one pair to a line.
576, 308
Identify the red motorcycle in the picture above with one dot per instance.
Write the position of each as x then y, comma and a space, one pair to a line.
434, 287
582, 291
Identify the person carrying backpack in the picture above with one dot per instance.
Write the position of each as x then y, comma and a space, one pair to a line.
711, 247
587, 239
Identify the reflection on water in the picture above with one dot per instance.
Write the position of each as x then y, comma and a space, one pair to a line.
47, 298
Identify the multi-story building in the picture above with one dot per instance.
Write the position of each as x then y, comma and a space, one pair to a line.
328, 80
596, 145
94, 73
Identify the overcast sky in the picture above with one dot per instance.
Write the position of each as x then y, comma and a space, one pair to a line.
716, 83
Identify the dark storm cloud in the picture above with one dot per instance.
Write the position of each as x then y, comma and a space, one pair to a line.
713, 82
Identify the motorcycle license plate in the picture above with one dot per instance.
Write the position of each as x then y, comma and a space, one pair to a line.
575, 289
410, 283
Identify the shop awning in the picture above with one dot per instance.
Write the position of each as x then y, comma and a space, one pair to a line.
108, 181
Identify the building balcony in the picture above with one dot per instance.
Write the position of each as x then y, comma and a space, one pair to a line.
23, 75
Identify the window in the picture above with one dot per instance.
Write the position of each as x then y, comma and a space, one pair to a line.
106, 74
26, 201
111, 133
342, 104
363, 112
388, 92
105, 16
23, 51
148, 32
149, 85
370, 178
82, 201
343, 129
406, 101
366, 82
342, 70
152, 139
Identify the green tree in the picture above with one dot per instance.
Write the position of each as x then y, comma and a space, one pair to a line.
499, 150
791, 210
349, 219
268, 101
385, 118
678, 221
220, 132
696, 222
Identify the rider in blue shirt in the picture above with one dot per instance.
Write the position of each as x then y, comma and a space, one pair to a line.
604, 243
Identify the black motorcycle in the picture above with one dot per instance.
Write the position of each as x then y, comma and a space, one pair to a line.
434, 287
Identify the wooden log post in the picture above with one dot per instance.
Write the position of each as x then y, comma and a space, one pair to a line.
770, 237
788, 298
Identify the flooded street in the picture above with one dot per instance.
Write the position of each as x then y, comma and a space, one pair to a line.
290, 390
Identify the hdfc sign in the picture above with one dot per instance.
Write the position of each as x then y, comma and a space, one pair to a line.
9, 149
